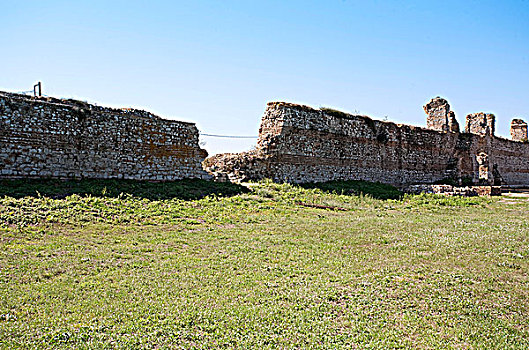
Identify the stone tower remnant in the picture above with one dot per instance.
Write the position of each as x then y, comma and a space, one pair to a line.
518, 130
440, 117
481, 124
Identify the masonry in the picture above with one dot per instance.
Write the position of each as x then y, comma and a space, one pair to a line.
301, 144
69, 139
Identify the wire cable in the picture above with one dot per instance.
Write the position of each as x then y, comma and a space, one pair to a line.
230, 136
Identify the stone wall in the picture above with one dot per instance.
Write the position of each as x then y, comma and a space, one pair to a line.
301, 144
511, 159
68, 139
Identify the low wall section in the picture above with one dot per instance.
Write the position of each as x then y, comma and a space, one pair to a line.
68, 139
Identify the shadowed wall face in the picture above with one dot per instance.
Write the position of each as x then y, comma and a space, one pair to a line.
68, 139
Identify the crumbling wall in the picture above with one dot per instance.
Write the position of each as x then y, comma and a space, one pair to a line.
68, 139
511, 160
300, 144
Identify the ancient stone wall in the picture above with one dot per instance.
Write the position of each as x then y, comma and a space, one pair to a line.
301, 144
68, 139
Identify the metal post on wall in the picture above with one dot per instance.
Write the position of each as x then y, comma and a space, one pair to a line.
39, 87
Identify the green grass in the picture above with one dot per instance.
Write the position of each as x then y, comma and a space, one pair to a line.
256, 269
184, 189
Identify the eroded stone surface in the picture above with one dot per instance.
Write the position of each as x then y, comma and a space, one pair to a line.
448, 190
484, 176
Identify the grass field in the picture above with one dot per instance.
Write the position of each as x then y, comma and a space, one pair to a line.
83, 265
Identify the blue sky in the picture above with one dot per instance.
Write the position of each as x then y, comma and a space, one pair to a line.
217, 63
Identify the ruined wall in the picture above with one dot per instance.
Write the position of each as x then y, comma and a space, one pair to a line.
497, 159
301, 144
68, 139
511, 159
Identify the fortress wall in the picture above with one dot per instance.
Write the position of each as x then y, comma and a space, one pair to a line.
324, 146
68, 139
301, 144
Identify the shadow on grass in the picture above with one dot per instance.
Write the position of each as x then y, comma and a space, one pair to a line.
182, 189
373, 189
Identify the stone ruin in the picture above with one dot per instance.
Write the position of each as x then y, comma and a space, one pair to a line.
43, 137
519, 130
481, 124
301, 144
449, 190
440, 117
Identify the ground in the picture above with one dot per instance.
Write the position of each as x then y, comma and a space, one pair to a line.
276, 266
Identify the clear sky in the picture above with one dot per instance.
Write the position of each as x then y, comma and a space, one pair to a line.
217, 63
